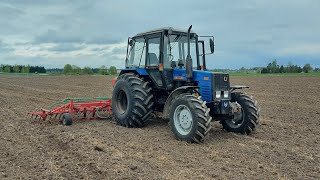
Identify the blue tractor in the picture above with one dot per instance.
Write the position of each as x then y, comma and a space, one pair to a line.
166, 72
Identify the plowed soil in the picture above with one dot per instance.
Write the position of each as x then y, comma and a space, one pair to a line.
285, 145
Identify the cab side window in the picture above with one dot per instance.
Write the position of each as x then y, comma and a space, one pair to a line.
153, 52
137, 53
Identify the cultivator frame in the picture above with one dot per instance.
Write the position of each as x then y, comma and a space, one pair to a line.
85, 108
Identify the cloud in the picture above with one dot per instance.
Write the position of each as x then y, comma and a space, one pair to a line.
247, 33
8, 11
66, 47
54, 36
5, 48
298, 49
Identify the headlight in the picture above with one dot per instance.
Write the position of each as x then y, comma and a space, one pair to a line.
218, 94
225, 94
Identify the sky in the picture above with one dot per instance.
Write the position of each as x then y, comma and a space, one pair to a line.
248, 33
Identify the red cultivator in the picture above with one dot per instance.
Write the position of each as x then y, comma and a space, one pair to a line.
68, 110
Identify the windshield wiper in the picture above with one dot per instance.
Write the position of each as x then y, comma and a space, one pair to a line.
144, 45
175, 41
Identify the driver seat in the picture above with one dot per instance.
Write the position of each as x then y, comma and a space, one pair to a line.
153, 59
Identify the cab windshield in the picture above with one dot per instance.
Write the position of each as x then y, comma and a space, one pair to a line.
176, 50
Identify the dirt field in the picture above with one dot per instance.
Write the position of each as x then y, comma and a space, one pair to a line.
285, 146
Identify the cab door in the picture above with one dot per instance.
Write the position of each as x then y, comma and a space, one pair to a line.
153, 59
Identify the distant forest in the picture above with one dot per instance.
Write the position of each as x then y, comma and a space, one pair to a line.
22, 69
273, 67
68, 69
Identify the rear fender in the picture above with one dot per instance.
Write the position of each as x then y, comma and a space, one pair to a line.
235, 87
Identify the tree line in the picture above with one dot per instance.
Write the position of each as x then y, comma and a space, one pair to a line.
103, 70
22, 69
274, 67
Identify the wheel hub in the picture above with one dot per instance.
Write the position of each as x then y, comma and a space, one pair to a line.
183, 119
237, 115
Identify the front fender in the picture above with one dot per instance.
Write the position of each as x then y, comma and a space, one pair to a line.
180, 90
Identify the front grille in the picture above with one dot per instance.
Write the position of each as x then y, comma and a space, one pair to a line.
221, 82
205, 91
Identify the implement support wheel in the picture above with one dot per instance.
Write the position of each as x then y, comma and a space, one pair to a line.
67, 120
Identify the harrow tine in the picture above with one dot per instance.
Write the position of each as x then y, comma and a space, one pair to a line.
59, 117
54, 116
50, 119
35, 117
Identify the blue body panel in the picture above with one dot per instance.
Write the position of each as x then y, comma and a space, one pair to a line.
140, 71
204, 79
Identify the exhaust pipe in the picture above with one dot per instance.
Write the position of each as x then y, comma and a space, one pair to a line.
189, 60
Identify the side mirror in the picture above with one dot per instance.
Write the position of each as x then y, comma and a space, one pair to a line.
131, 42
211, 45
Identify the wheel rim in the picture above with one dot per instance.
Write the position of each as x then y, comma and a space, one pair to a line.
183, 119
238, 118
122, 102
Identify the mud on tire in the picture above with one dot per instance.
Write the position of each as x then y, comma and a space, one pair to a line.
201, 120
132, 101
250, 118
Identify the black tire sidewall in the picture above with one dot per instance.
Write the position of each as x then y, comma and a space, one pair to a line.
121, 85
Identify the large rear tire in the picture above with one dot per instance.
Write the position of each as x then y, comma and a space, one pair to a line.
246, 119
132, 101
189, 118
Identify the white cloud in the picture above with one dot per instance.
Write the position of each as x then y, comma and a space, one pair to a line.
301, 49
248, 32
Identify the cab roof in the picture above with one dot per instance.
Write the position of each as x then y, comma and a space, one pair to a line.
158, 30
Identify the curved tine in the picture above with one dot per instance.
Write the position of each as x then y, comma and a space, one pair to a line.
60, 116
57, 118
49, 119
54, 117
38, 118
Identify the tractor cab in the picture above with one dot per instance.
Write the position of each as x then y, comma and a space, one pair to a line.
166, 72
160, 51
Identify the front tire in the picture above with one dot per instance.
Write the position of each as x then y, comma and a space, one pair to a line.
189, 118
132, 101
246, 119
